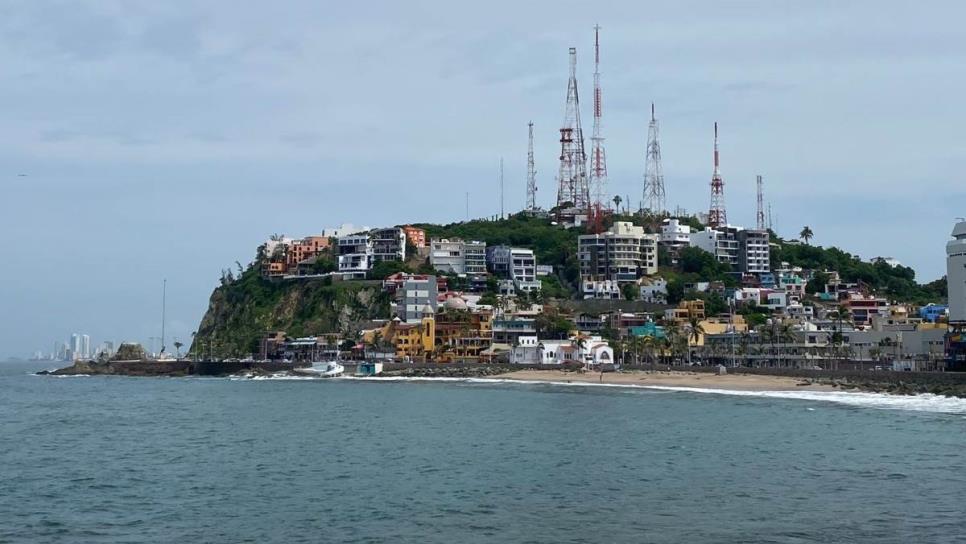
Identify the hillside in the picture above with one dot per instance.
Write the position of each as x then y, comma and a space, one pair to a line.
241, 311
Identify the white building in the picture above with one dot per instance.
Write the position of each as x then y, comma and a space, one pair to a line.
674, 234
654, 290
529, 350
956, 273
458, 257
388, 244
355, 254
747, 250
515, 263
602, 289
623, 254
418, 298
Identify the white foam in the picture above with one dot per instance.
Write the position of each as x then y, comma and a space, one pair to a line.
925, 402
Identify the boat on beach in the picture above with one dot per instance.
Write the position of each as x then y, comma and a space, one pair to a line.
325, 369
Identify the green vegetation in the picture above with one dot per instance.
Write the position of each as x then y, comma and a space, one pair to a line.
897, 283
241, 311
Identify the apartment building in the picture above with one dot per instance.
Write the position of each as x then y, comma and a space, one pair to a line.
623, 254
956, 274
355, 254
747, 250
415, 235
517, 264
417, 298
456, 256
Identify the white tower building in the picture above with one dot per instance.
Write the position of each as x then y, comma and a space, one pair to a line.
956, 274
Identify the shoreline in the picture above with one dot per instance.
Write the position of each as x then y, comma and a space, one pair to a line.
673, 378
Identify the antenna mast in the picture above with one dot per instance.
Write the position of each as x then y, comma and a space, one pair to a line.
531, 175
164, 304
655, 198
717, 216
761, 204
572, 178
501, 188
598, 156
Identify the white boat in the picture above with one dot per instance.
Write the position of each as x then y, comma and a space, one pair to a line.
326, 369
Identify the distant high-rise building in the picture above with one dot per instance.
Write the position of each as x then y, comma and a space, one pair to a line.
85, 346
956, 274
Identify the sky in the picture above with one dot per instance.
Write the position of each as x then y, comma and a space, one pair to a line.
150, 140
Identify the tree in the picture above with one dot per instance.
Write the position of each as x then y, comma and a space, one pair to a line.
177, 346
806, 234
631, 291
617, 203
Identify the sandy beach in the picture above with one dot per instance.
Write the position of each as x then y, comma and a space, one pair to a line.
728, 382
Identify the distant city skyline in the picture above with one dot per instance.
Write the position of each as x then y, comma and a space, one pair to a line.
169, 140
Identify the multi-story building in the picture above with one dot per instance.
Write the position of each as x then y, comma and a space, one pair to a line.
956, 274
355, 254
746, 250
388, 244
474, 255
418, 293
517, 264
415, 235
458, 257
622, 254
674, 236
446, 255
721, 242
754, 252
308, 247
863, 309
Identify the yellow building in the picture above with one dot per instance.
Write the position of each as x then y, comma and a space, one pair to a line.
719, 325
408, 339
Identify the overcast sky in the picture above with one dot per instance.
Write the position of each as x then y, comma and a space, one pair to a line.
168, 139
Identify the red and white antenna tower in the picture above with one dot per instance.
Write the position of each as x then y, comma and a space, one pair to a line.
531, 175
717, 216
572, 178
761, 204
598, 156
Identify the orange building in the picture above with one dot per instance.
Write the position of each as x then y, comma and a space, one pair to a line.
415, 235
307, 247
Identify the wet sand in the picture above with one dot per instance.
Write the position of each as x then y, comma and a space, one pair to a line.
728, 382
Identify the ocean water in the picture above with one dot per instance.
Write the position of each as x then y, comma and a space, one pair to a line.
113, 459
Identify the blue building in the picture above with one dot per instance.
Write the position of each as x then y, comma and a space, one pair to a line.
932, 312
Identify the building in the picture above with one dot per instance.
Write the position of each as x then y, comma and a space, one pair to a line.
674, 236
754, 251
461, 334
933, 312
474, 258
622, 254
603, 289
654, 290
355, 255
721, 242
590, 351
517, 264
746, 250
306, 248
388, 244
415, 236
417, 298
458, 257
956, 274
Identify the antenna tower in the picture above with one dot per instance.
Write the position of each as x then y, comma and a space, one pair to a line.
761, 204
501, 188
572, 178
717, 216
531, 175
598, 156
655, 198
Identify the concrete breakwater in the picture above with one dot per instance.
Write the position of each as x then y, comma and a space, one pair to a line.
169, 368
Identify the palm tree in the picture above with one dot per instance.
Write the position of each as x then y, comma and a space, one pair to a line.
177, 346
695, 331
806, 234
617, 203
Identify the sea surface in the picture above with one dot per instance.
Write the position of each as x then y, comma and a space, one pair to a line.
115, 459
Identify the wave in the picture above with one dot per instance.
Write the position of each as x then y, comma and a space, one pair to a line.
925, 402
